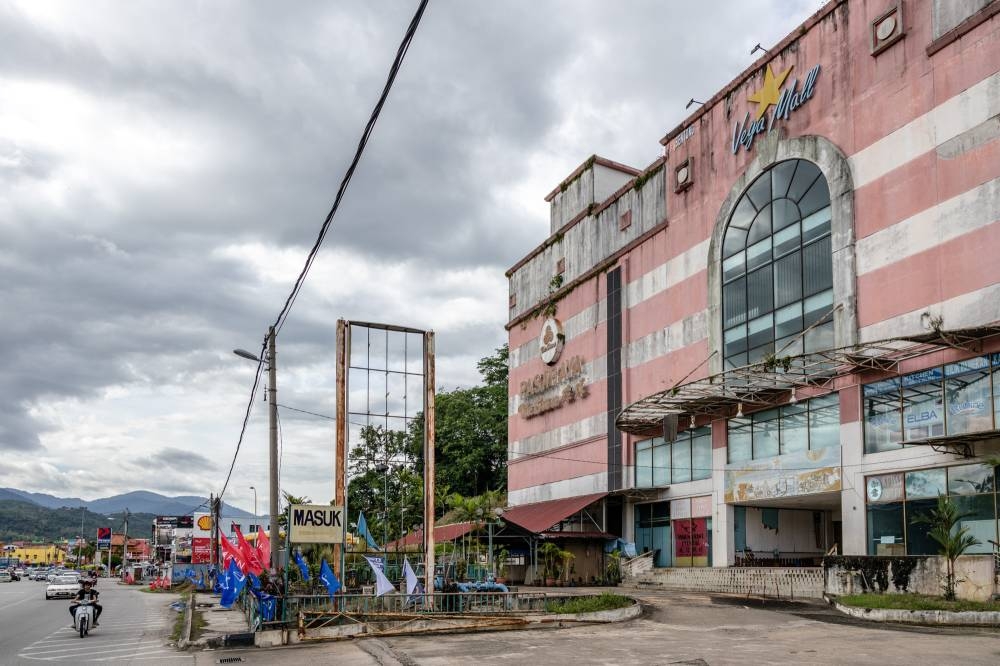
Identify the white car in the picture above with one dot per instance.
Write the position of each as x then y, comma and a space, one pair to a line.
5, 576
62, 586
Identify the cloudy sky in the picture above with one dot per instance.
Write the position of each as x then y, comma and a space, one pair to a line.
165, 167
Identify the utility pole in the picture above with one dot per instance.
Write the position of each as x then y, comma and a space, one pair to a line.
272, 390
125, 544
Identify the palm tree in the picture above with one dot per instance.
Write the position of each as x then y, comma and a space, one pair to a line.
952, 540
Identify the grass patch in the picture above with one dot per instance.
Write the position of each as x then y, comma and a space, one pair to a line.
175, 635
915, 602
606, 601
197, 625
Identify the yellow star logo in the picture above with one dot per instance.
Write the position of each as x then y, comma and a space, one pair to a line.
770, 92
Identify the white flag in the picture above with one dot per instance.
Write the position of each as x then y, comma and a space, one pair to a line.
382, 584
411, 578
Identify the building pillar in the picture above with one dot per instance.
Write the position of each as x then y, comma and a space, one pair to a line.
852, 496
723, 542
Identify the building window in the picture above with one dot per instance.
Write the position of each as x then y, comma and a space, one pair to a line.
777, 266
807, 425
896, 500
954, 399
659, 463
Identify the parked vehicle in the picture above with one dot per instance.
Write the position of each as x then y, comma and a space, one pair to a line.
62, 587
5, 577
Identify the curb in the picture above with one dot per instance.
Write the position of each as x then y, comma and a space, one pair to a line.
188, 617
924, 617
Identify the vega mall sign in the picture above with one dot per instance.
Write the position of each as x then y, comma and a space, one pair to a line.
784, 100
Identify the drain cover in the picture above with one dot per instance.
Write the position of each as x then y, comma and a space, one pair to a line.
231, 660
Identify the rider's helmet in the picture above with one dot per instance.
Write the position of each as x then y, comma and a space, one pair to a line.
86, 581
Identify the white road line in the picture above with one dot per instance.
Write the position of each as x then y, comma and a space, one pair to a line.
126, 646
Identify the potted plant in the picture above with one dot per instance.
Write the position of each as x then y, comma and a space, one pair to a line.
501, 564
565, 564
551, 558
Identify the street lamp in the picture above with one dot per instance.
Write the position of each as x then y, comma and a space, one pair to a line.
254, 503
272, 390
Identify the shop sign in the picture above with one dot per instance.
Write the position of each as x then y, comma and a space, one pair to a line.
784, 100
553, 388
315, 523
884, 488
201, 550
551, 341
789, 475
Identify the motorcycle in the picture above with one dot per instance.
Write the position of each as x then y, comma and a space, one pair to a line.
83, 617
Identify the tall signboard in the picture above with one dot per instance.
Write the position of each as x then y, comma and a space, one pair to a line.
201, 541
103, 538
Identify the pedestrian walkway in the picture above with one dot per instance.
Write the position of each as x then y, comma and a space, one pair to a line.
220, 623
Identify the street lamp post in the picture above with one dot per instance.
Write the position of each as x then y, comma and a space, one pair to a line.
272, 398
254, 503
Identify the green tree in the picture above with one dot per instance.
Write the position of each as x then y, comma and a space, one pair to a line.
470, 434
384, 480
952, 540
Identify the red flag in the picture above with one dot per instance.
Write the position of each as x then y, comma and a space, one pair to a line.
248, 552
231, 552
263, 548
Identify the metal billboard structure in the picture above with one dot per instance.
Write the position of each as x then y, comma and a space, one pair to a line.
385, 379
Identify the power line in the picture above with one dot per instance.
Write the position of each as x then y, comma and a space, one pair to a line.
300, 280
393, 71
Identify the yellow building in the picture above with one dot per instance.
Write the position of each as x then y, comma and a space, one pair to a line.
36, 553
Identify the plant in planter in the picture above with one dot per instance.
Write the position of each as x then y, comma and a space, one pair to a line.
613, 569
952, 540
551, 558
566, 566
501, 564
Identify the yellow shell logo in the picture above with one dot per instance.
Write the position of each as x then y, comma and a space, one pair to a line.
204, 522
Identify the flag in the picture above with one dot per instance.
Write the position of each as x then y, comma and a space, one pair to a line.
363, 532
382, 584
233, 553
227, 585
201, 581
268, 607
409, 576
263, 548
249, 552
303, 567
254, 581
328, 578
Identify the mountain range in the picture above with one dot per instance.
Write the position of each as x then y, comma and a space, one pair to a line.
138, 501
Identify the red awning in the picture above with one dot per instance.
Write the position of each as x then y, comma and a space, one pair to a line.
442, 533
539, 517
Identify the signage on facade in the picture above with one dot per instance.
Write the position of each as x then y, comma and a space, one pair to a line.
553, 388
551, 341
790, 475
784, 100
315, 523
201, 550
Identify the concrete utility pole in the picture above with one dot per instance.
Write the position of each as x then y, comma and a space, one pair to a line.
125, 544
272, 390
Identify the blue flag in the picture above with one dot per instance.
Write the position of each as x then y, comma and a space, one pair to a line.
201, 581
363, 531
238, 577
328, 578
303, 567
228, 585
268, 607
254, 581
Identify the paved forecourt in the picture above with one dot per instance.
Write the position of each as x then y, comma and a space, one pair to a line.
135, 627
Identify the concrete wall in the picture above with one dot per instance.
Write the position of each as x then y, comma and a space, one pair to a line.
974, 573
801, 582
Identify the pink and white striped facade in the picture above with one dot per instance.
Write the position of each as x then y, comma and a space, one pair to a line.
907, 135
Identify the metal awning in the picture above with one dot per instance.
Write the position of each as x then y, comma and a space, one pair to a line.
764, 382
542, 516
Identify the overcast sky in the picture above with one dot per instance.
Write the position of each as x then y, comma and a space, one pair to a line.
165, 167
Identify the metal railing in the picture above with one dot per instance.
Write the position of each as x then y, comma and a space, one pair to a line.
488, 603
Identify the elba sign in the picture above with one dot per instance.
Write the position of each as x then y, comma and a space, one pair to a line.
315, 523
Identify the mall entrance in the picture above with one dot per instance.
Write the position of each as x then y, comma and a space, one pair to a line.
787, 532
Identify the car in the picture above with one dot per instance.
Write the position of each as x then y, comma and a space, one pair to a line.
5, 577
38, 574
62, 586
20, 573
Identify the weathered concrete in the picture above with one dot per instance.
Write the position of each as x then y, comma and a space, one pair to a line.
928, 617
783, 582
974, 573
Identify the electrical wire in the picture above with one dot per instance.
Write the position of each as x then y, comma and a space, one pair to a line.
365, 135
300, 280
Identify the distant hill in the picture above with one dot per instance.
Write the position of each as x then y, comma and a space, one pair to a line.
139, 501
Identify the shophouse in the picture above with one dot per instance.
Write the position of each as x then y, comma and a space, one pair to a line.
782, 338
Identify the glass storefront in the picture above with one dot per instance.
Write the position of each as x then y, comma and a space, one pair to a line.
806, 425
895, 500
954, 399
659, 463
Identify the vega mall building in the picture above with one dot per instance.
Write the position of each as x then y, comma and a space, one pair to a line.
782, 338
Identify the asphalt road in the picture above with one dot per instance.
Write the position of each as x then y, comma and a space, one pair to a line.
135, 627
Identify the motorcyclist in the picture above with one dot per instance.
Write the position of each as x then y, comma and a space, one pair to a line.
86, 593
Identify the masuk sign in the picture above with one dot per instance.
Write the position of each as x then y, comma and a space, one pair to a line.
784, 100
315, 523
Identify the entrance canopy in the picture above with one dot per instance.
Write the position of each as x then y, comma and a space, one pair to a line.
543, 516
773, 378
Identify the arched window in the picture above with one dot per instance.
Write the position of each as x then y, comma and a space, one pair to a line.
777, 266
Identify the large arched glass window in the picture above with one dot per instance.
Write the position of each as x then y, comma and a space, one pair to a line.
777, 266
